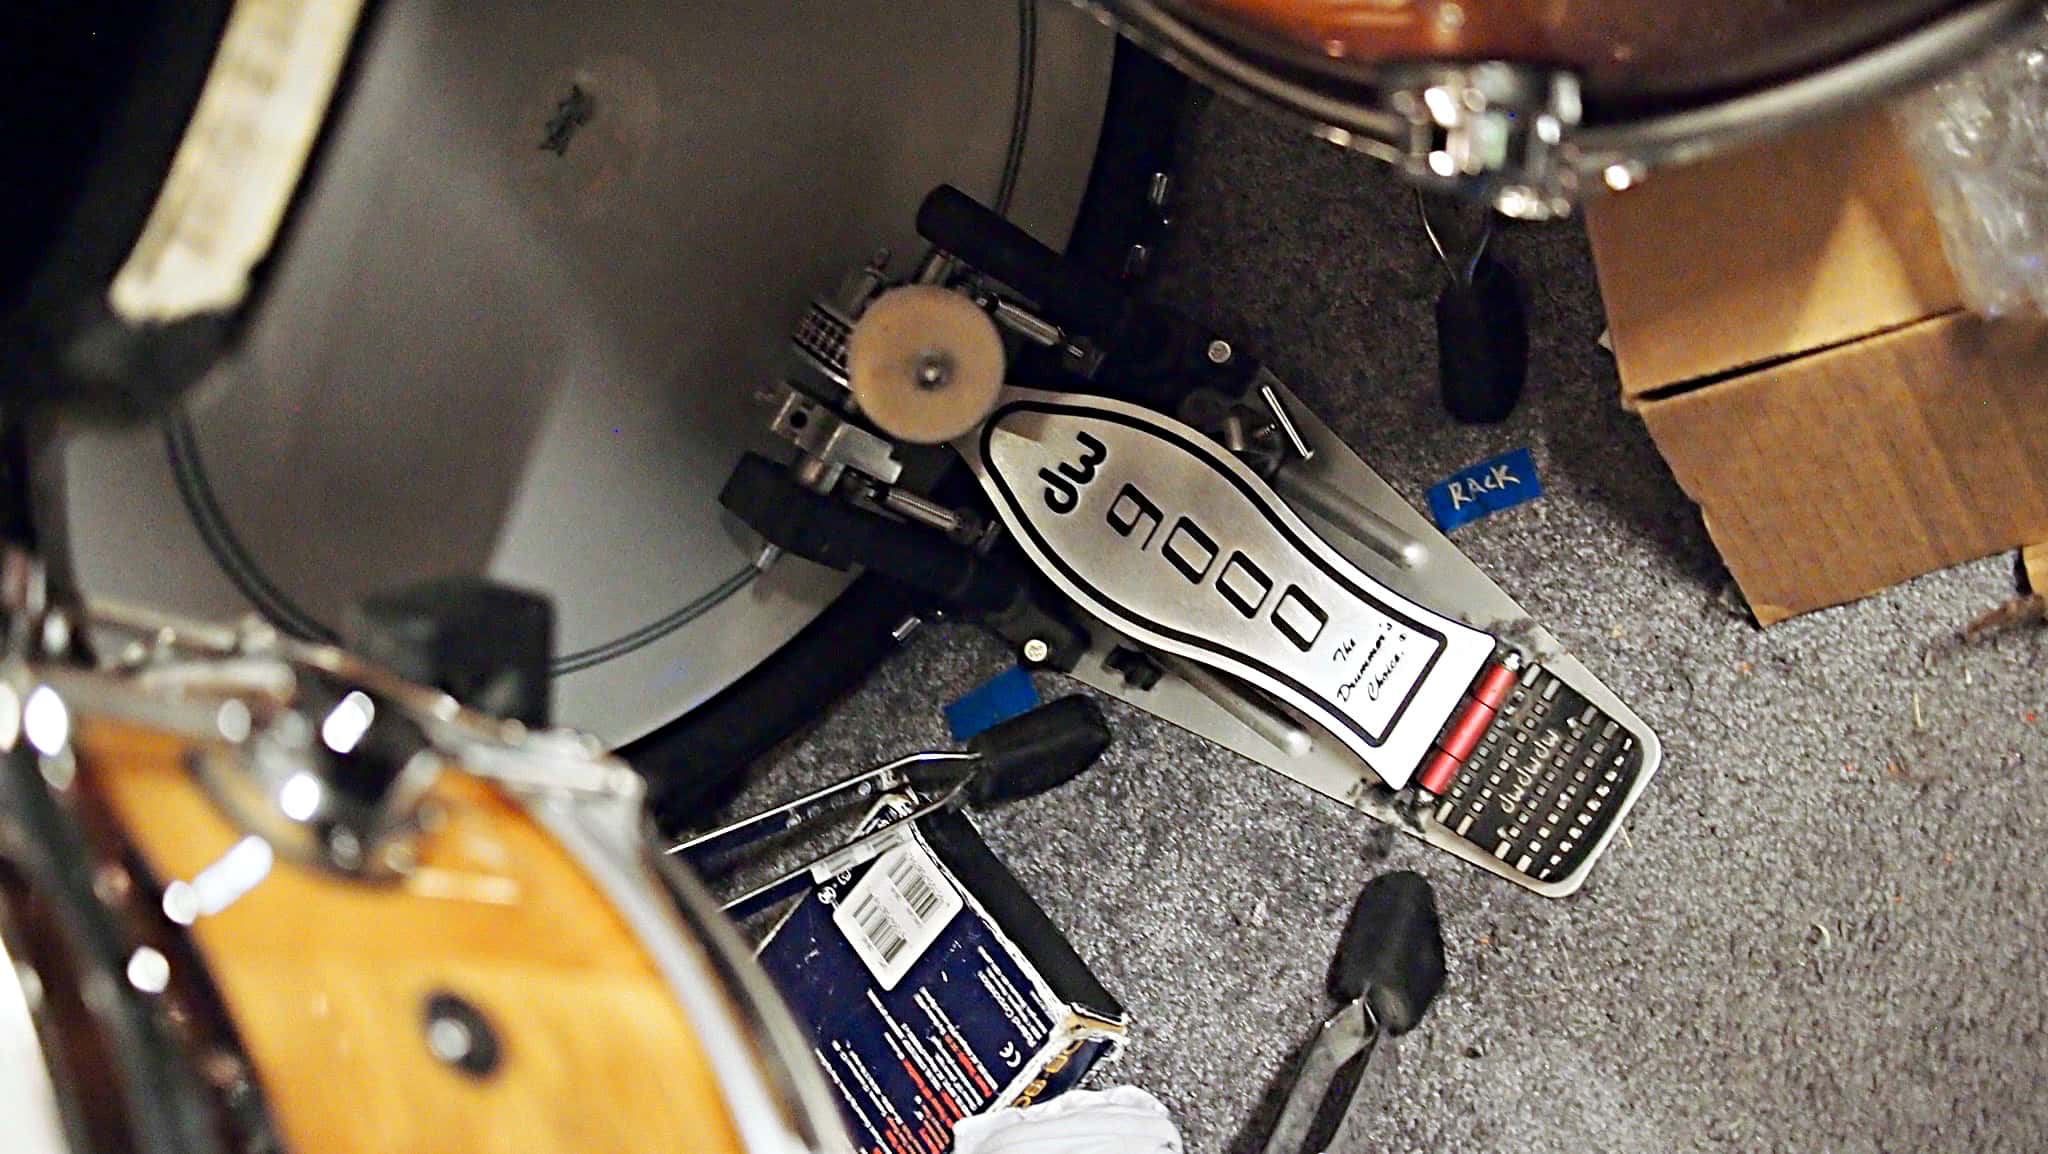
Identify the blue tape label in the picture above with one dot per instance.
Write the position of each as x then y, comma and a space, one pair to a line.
996, 700
1488, 487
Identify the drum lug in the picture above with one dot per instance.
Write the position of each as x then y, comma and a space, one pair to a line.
1495, 129
335, 780
556, 761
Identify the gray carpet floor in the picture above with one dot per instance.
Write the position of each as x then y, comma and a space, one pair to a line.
1824, 930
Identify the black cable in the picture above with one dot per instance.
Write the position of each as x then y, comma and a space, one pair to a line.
655, 630
181, 445
196, 490
1020, 103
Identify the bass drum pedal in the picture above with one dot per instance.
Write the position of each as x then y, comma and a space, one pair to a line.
1339, 639
1233, 568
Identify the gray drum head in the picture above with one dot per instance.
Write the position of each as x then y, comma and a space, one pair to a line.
544, 263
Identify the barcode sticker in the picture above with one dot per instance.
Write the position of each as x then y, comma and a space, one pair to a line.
894, 914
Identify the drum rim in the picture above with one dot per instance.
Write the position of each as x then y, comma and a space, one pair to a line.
786, 1066
18, 1008
774, 1092
163, 1105
1354, 117
1918, 56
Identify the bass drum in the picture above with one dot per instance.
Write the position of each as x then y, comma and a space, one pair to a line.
1528, 102
539, 269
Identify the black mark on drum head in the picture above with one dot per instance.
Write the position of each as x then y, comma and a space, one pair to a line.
572, 112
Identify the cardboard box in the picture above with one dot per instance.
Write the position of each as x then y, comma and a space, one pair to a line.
1786, 324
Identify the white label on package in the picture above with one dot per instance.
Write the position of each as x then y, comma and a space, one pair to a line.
894, 914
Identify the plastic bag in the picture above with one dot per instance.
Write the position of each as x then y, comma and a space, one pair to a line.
1980, 137
1120, 1120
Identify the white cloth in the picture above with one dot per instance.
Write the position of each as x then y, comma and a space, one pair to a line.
1120, 1120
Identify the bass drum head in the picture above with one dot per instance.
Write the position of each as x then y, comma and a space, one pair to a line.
540, 268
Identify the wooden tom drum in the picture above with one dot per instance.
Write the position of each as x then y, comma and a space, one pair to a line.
259, 896
1531, 102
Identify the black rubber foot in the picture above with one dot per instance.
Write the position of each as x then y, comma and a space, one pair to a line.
1482, 339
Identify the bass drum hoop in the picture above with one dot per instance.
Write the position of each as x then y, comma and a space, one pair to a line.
1675, 132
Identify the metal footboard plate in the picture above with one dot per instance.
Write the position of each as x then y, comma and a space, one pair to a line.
1154, 528
1164, 540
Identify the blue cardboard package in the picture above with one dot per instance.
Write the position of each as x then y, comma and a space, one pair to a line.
935, 988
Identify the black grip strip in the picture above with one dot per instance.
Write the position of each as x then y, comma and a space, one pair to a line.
829, 532
1037, 751
1392, 951
1069, 295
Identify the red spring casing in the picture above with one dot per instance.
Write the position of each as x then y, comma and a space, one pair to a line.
1493, 686
1466, 729
1437, 773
